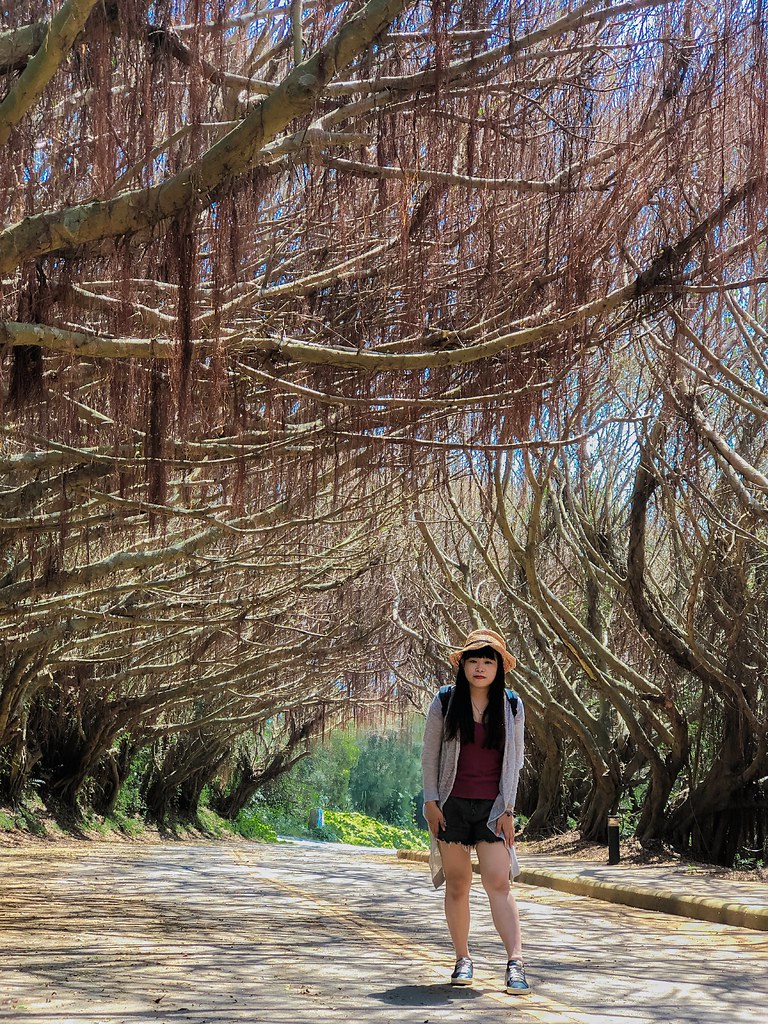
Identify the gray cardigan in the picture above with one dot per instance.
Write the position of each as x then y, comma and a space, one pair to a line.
440, 758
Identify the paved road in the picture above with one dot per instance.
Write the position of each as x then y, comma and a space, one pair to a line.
229, 933
700, 891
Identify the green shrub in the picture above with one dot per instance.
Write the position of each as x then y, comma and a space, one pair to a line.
128, 825
360, 830
211, 823
326, 834
250, 824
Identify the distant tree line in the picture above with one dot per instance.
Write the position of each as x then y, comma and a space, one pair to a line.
375, 772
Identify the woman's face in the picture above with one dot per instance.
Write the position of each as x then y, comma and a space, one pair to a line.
480, 671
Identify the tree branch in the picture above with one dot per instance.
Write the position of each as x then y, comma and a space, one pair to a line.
62, 32
196, 185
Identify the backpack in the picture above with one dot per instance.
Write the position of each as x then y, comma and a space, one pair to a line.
444, 693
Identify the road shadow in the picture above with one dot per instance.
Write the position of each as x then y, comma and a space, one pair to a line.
440, 994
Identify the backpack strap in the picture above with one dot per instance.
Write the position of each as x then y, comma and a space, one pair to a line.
445, 692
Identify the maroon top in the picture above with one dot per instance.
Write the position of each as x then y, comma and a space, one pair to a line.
478, 773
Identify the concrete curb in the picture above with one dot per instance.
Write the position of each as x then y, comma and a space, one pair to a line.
700, 908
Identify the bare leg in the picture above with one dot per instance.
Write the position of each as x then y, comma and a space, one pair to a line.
457, 865
494, 872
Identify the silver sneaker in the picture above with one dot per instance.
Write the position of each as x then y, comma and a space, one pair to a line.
462, 972
515, 981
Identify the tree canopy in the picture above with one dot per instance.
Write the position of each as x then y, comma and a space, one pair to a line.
332, 330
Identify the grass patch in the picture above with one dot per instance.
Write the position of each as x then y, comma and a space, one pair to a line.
126, 824
29, 821
7, 822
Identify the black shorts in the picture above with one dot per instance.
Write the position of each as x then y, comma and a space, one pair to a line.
466, 822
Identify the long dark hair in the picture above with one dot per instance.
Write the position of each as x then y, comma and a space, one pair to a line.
459, 720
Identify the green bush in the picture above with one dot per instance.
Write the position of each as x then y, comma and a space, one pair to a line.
130, 802
250, 824
360, 830
129, 825
283, 820
326, 834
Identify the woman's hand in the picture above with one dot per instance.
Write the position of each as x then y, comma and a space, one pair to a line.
435, 817
505, 826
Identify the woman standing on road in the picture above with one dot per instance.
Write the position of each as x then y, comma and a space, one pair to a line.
471, 761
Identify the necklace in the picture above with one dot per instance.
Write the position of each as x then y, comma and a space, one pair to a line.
479, 712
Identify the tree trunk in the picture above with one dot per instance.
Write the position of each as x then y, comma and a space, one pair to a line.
190, 763
158, 798
650, 826
548, 814
66, 783
652, 823
249, 779
717, 815
16, 764
111, 774
603, 800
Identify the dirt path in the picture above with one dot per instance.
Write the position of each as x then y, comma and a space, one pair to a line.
214, 933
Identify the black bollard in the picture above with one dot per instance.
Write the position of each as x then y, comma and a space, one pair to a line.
613, 840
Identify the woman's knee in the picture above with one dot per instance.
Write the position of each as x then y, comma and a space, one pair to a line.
458, 882
457, 866
496, 882
458, 885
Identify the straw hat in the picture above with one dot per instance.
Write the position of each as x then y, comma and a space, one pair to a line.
484, 638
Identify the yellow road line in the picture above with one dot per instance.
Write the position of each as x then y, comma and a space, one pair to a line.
538, 1008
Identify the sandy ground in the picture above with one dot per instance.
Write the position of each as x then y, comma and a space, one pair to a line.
115, 933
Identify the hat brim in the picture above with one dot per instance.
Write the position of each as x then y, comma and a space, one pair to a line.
508, 660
